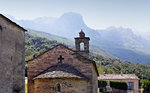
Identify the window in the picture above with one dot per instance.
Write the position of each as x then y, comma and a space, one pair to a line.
16, 88
130, 85
58, 88
82, 46
16, 91
1, 27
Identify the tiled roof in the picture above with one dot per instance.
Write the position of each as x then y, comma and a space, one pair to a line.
117, 76
61, 71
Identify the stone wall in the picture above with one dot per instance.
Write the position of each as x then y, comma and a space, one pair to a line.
49, 58
94, 81
11, 57
67, 85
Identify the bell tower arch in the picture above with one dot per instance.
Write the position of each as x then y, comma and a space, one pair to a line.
84, 41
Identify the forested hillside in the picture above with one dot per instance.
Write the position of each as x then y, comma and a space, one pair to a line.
36, 45
116, 66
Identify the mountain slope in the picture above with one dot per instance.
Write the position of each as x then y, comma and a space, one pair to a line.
93, 49
125, 45
120, 42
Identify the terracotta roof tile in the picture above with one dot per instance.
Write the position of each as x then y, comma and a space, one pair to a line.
117, 76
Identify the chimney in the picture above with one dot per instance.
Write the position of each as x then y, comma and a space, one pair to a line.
82, 40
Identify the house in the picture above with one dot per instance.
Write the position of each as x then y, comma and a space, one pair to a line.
12, 59
63, 70
131, 79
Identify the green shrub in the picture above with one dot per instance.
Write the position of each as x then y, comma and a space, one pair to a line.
119, 85
149, 78
146, 85
102, 83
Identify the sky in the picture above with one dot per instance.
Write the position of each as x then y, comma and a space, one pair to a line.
97, 14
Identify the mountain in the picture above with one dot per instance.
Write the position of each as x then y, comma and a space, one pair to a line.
120, 42
125, 44
145, 34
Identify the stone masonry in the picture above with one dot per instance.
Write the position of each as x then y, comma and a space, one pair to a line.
12, 60
68, 85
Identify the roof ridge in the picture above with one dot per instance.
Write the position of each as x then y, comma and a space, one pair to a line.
12, 22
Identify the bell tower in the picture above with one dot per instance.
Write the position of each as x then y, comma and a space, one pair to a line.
85, 42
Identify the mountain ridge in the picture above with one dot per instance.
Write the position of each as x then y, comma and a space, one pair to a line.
120, 42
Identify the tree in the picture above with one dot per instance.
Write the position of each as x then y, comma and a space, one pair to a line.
146, 85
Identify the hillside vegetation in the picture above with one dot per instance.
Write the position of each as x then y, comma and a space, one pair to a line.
116, 66
35, 45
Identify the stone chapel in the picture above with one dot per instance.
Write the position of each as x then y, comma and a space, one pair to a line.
12, 59
63, 70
